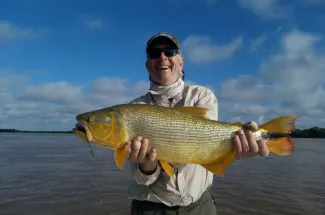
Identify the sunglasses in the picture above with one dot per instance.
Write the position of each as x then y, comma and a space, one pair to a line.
156, 52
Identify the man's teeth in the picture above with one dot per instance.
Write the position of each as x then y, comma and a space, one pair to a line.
163, 67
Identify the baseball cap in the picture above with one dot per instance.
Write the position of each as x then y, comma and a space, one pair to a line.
160, 35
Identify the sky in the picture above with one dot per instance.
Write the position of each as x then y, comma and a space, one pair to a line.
59, 58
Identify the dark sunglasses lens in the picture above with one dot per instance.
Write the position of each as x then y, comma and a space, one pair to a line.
170, 52
155, 53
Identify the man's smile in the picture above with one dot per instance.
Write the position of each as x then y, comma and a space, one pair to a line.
163, 68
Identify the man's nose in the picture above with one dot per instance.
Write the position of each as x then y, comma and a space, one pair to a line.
162, 56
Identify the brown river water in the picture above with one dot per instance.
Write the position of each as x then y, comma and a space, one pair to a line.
55, 174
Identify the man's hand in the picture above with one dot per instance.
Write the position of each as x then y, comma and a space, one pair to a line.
245, 144
142, 153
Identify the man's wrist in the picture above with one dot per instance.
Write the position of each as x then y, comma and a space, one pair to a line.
148, 168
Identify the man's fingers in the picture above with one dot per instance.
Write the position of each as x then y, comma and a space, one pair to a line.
153, 154
246, 145
253, 147
263, 150
251, 125
237, 146
139, 150
135, 148
138, 138
143, 151
128, 145
243, 141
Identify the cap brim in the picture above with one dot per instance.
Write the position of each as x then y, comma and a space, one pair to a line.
155, 40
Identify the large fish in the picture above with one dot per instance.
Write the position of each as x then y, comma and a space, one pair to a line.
180, 135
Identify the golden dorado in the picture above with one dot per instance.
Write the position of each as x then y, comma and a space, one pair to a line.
180, 135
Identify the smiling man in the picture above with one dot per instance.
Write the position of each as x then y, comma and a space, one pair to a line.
188, 192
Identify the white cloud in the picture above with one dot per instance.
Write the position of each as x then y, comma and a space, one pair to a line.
11, 82
201, 49
258, 42
94, 24
291, 81
266, 9
60, 93
55, 105
10, 32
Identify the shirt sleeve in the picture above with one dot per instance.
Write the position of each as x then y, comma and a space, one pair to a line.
142, 178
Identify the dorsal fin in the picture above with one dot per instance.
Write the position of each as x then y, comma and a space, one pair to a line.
196, 111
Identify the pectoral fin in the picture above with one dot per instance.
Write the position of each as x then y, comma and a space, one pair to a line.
168, 169
219, 166
119, 155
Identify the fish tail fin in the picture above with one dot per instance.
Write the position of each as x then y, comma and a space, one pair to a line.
281, 146
281, 125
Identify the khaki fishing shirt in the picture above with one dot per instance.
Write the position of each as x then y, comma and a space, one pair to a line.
191, 180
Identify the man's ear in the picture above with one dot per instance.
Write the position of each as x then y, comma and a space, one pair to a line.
182, 62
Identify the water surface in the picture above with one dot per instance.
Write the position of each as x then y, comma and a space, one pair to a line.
55, 174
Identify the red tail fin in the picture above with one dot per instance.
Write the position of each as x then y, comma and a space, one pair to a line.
281, 146
281, 125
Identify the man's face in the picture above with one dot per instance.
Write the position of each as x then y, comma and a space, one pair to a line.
164, 70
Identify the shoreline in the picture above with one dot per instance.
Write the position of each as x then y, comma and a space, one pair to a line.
22, 131
313, 132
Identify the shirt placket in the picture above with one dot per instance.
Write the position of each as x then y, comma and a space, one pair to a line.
179, 179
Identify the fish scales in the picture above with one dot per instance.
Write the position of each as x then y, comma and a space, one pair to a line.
177, 136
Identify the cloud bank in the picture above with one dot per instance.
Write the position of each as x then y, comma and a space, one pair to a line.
201, 49
290, 81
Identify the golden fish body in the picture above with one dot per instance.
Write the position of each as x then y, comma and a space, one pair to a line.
180, 135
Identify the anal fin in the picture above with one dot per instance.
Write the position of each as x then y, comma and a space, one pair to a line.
168, 169
219, 166
176, 165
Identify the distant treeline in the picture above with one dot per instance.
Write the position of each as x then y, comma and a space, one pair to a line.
313, 132
21, 131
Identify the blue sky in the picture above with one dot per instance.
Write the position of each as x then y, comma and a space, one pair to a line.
59, 58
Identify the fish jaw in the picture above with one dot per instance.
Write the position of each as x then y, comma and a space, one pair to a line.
82, 132
79, 134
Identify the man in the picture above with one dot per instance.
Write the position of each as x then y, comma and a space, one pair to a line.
153, 192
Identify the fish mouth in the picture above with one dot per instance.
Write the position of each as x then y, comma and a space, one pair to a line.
82, 131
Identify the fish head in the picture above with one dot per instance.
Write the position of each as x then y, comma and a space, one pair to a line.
105, 127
